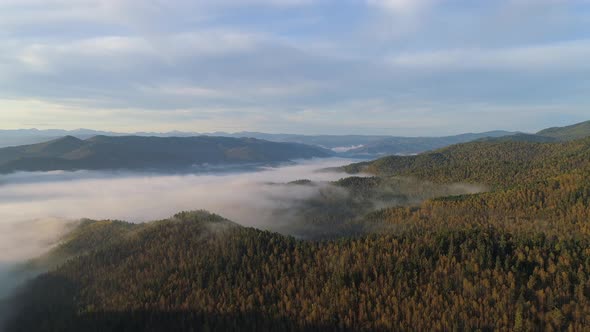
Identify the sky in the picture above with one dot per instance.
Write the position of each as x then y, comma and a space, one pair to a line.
397, 67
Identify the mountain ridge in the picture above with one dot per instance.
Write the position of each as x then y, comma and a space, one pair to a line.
346, 143
144, 153
571, 132
514, 258
490, 162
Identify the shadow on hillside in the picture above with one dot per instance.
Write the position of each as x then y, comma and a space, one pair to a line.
47, 304
151, 321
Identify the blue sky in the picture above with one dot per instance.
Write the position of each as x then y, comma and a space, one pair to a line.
399, 67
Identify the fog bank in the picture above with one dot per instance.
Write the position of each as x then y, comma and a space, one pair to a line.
35, 207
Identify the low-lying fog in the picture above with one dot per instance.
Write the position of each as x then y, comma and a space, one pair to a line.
35, 207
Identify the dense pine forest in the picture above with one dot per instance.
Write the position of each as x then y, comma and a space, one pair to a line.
513, 255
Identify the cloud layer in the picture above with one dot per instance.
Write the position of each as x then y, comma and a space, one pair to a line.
398, 67
35, 208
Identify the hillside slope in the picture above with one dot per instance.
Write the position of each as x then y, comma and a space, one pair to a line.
512, 259
413, 145
576, 131
138, 153
446, 262
493, 163
521, 137
347, 145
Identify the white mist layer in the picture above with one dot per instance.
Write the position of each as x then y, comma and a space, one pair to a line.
35, 208
347, 148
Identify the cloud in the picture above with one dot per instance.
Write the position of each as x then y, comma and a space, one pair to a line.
35, 208
236, 92
139, 15
24, 240
280, 3
48, 58
402, 7
346, 148
533, 3
286, 65
541, 58
109, 52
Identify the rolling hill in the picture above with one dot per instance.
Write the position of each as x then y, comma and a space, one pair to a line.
345, 145
356, 146
495, 163
149, 153
414, 145
554, 134
524, 250
374, 146
514, 258
520, 137
576, 131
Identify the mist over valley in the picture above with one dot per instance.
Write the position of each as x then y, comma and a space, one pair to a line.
294, 165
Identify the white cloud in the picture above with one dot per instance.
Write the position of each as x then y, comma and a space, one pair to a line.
32, 204
287, 3
50, 56
32, 58
187, 91
200, 65
402, 7
237, 91
558, 56
132, 13
107, 45
212, 42
530, 3
120, 53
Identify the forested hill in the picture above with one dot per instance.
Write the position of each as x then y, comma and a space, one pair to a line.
138, 153
521, 137
554, 134
576, 131
412, 145
503, 163
515, 258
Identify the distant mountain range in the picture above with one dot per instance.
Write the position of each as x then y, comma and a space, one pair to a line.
33, 136
481, 256
372, 146
351, 146
149, 153
414, 145
355, 146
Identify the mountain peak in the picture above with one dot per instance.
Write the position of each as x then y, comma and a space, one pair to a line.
62, 144
69, 138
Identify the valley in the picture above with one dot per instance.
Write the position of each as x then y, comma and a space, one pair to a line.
492, 232
294, 166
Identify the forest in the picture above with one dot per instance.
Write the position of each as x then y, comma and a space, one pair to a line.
140, 153
513, 255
